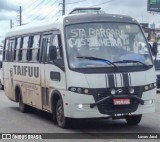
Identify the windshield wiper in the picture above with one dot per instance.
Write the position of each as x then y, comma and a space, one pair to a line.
131, 61
98, 59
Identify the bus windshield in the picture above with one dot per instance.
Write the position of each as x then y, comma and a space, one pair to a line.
90, 45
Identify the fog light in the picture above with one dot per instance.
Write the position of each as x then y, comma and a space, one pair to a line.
80, 106
131, 91
113, 91
147, 102
150, 101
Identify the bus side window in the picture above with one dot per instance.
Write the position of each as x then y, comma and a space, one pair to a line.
25, 48
56, 42
8, 49
14, 50
5, 50
29, 51
35, 48
56, 49
17, 49
11, 49
60, 46
20, 50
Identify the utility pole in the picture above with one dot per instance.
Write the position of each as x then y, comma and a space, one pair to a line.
11, 24
20, 16
63, 7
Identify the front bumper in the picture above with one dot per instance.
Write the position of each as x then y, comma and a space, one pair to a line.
79, 106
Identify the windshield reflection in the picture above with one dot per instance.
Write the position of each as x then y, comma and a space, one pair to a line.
108, 41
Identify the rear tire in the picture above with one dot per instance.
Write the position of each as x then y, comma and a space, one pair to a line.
1, 87
22, 107
134, 119
61, 120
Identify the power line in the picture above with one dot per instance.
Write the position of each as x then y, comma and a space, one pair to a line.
102, 3
49, 13
34, 18
53, 15
43, 17
44, 2
31, 3
32, 8
75, 2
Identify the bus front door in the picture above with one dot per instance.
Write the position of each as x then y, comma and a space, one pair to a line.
43, 59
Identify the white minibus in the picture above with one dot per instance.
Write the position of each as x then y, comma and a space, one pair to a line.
82, 65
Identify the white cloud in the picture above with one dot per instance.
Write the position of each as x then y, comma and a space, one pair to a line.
40, 9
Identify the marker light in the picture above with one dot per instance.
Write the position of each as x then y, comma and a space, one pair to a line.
113, 91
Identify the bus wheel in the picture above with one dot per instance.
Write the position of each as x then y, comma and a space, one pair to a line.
62, 121
22, 107
1, 87
134, 119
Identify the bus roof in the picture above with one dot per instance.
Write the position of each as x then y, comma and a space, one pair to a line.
99, 17
42, 26
34, 28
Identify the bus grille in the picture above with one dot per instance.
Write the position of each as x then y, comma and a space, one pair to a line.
108, 107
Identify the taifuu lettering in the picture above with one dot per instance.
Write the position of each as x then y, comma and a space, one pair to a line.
26, 71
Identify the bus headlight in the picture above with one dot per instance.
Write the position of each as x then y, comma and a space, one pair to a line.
79, 90
146, 88
150, 86
113, 91
131, 91
86, 91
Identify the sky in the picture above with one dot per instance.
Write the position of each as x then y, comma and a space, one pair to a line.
35, 10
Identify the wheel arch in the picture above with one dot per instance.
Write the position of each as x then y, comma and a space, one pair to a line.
55, 96
17, 90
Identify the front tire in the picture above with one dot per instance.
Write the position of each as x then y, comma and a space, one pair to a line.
62, 121
134, 119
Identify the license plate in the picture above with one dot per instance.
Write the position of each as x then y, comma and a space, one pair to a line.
121, 101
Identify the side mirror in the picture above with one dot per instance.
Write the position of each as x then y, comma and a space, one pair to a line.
52, 53
150, 46
0, 64
154, 49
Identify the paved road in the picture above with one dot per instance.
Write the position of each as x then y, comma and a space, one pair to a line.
13, 121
